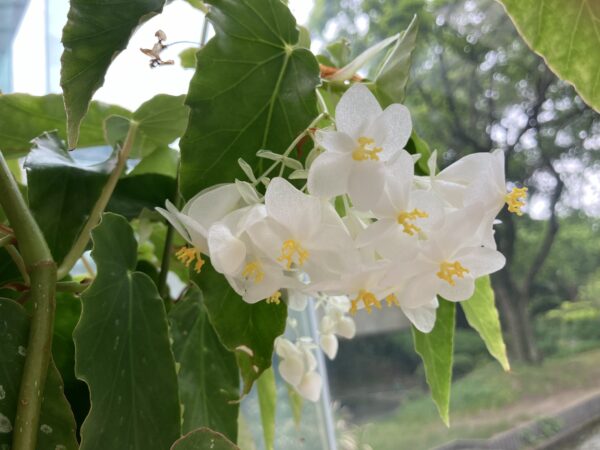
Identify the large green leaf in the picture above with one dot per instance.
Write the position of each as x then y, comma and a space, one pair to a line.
390, 81
435, 349
57, 425
482, 315
62, 192
208, 374
254, 88
204, 439
122, 350
24, 117
567, 35
249, 330
267, 400
95, 33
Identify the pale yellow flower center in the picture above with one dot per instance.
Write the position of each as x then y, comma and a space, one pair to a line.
366, 150
369, 300
406, 219
291, 248
254, 270
451, 269
275, 298
515, 200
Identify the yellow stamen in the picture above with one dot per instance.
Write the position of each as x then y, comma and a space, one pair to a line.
368, 300
275, 298
515, 200
451, 269
366, 150
291, 248
187, 255
405, 219
254, 270
392, 300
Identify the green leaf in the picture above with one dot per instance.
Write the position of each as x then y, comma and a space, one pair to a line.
249, 330
161, 120
296, 404
418, 146
253, 89
208, 374
340, 52
187, 58
481, 313
57, 425
390, 81
204, 439
62, 192
267, 400
567, 35
122, 350
24, 117
95, 33
435, 349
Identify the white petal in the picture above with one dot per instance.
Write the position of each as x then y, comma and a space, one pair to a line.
481, 260
329, 345
346, 328
335, 141
462, 290
423, 318
172, 215
292, 370
297, 300
355, 110
366, 183
391, 129
419, 291
227, 253
328, 175
213, 204
298, 212
310, 386
399, 178
375, 232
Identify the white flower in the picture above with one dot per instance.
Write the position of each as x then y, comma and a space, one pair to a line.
335, 322
198, 215
302, 232
422, 317
448, 263
298, 367
355, 154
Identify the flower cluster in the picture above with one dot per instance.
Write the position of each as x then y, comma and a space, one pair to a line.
399, 239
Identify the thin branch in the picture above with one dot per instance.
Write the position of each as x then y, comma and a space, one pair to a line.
18, 260
6, 240
84, 237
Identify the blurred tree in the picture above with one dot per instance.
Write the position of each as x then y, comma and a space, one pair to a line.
475, 86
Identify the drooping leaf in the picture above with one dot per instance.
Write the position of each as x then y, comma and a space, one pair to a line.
57, 425
481, 313
390, 81
567, 35
204, 439
208, 374
95, 33
435, 349
122, 350
253, 89
62, 192
267, 400
249, 330
24, 117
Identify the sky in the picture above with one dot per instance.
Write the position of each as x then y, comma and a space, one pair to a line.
129, 81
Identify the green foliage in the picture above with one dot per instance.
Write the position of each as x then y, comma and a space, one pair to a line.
254, 88
566, 35
57, 425
91, 41
435, 348
24, 117
267, 399
62, 192
204, 438
482, 315
133, 383
208, 374
187, 58
248, 329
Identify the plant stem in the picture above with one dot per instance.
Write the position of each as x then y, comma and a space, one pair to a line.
74, 287
18, 260
6, 240
84, 237
163, 287
38, 260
